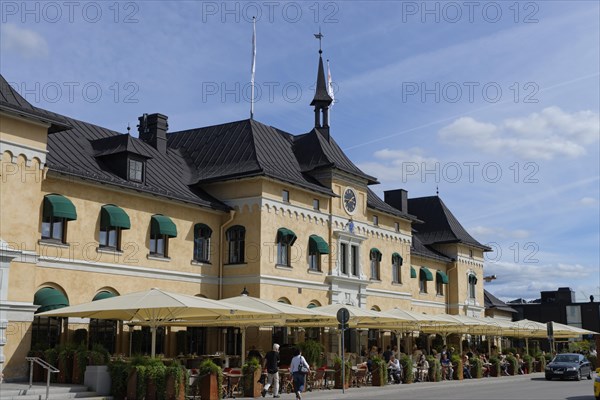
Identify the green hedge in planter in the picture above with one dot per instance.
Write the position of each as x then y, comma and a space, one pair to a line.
119, 373
208, 367
513, 364
495, 371
435, 369
312, 352
476, 367
379, 370
457, 364
407, 367
528, 363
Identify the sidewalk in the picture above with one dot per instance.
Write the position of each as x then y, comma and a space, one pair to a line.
403, 391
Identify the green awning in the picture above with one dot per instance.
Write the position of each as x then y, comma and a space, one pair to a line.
58, 206
413, 272
472, 279
103, 295
312, 305
49, 299
376, 253
162, 225
441, 276
316, 244
113, 216
425, 274
398, 256
202, 230
286, 236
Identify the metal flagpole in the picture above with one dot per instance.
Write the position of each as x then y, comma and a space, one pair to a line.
253, 68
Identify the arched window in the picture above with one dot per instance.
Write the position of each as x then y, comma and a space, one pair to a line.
58, 210
202, 234
45, 332
375, 257
396, 271
285, 240
472, 283
236, 236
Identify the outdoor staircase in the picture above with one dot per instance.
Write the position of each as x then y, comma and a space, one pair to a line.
21, 391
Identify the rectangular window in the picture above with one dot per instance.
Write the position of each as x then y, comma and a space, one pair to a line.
314, 262
136, 171
439, 288
472, 283
54, 229
285, 196
237, 240
110, 237
283, 254
202, 249
423, 285
396, 226
396, 276
316, 205
355, 260
375, 220
344, 258
159, 245
374, 269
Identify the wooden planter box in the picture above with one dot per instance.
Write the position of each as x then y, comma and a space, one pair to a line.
510, 369
151, 392
77, 373
132, 385
339, 380
209, 387
495, 371
171, 385
376, 378
65, 365
251, 386
457, 375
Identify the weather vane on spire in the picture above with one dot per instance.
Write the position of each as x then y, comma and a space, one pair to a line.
319, 36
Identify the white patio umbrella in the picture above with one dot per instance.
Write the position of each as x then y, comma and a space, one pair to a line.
154, 308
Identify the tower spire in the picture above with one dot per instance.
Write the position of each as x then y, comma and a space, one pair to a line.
322, 99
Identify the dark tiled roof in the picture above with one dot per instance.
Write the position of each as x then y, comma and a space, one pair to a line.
492, 301
419, 249
12, 102
71, 152
440, 225
242, 149
121, 144
314, 152
374, 202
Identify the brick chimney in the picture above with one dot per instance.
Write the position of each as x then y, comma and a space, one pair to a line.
397, 198
153, 130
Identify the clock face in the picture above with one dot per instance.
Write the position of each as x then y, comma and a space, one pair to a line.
350, 200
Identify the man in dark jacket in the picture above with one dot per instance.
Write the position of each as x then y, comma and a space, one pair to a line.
271, 363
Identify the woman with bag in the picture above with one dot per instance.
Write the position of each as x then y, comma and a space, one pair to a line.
299, 369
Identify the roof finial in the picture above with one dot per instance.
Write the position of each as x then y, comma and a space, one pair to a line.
437, 190
128, 128
319, 36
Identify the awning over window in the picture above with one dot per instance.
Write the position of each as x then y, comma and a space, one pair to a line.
472, 279
49, 299
413, 272
202, 230
286, 236
162, 225
58, 206
397, 256
375, 253
113, 216
316, 244
425, 274
103, 295
441, 276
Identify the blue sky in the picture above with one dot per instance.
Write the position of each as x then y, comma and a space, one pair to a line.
495, 103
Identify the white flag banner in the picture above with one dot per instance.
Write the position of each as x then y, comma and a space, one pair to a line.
330, 85
253, 67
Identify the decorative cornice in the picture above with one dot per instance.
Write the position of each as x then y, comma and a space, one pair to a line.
29, 152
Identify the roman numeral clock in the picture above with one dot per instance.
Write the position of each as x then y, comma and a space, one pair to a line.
350, 200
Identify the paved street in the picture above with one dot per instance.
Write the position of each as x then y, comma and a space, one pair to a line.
529, 387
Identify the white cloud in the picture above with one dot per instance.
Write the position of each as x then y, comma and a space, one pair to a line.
399, 165
528, 280
493, 233
588, 201
27, 43
545, 135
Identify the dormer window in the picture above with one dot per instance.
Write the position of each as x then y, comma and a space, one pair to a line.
136, 170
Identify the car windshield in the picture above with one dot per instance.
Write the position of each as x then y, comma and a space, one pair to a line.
566, 358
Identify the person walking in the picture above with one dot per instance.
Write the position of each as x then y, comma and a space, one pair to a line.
271, 363
299, 369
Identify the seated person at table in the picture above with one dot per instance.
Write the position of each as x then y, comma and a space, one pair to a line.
466, 367
504, 365
422, 369
485, 365
387, 354
447, 369
395, 369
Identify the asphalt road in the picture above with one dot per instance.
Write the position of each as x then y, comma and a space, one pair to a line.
528, 387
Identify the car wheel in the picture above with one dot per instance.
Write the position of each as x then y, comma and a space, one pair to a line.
578, 376
548, 378
589, 375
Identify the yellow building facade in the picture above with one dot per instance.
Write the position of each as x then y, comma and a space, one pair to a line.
88, 213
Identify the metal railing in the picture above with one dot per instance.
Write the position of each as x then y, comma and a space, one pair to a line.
48, 367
